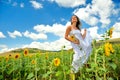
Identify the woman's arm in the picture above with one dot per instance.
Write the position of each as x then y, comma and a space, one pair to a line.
67, 35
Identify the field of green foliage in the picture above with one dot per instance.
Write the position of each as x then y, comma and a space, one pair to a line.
57, 65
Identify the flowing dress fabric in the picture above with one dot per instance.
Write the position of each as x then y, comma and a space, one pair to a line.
82, 51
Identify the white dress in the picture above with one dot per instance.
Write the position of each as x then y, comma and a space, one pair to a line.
82, 51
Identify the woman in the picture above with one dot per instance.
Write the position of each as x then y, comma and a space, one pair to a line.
81, 43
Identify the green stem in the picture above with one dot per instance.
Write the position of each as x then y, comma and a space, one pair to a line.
96, 74
45, 68
36, 69
104, 66
50, 78
13, 70
3, 67
64, 75
20, 67
95, 59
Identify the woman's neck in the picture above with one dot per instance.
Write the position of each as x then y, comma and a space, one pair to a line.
74, 24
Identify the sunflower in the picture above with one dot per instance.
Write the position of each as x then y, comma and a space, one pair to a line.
108, 49
30, 56
7, 58
17, 56
46, 55
26, 51
107, 52
72, 37
56, 61
10, 55
111, 48
33, 62
110, 32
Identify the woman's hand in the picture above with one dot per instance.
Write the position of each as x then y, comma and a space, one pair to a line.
73, 39
76, 41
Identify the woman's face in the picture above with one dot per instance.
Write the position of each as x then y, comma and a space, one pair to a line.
74, 19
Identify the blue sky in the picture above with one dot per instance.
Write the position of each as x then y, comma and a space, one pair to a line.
42, 23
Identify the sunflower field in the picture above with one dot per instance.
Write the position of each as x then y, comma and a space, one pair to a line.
103, 64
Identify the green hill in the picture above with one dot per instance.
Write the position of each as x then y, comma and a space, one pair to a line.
21, 50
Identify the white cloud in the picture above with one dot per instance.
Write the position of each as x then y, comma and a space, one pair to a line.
116, 31
98, 11
3, 48
36, 4
86, 16
35, 36
2, 35
7, 49
94, 33
53, 46
69, 3
22, 5
116, 11
56, 29
103, 9
14, 34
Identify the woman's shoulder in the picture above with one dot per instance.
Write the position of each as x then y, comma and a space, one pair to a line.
69, 27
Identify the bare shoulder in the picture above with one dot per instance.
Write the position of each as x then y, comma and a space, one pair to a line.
69, 28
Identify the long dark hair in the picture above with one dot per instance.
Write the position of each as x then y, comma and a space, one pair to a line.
78, 24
